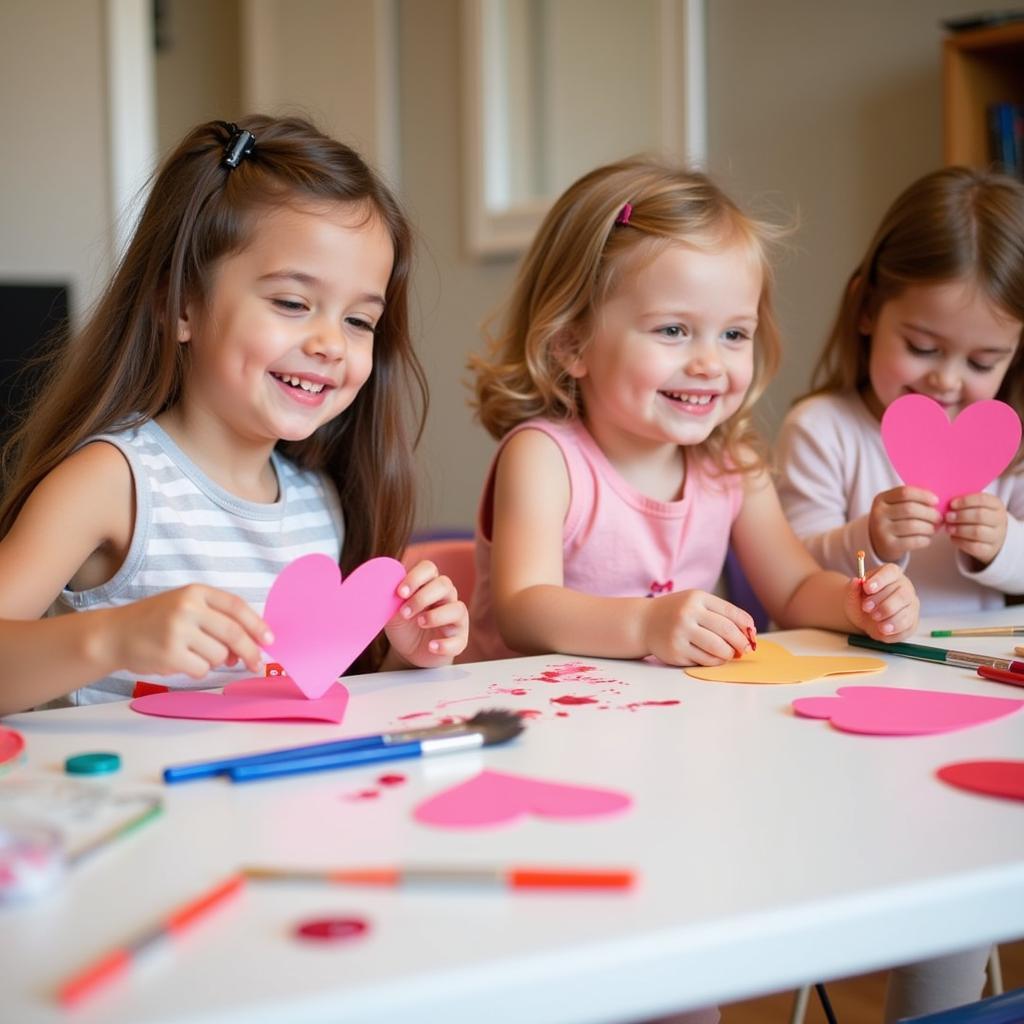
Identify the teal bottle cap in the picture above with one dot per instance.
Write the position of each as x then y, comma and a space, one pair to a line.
99, 763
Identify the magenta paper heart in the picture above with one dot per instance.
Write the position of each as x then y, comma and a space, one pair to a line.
494, 798
949, 459
320, 624
993, 778
247, 699
886, 711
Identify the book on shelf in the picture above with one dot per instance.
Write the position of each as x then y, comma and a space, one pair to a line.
1006, 137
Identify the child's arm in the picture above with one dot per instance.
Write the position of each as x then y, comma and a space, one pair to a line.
797, 592
432, 626
81, 517
536, 613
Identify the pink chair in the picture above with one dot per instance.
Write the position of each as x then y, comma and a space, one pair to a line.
452, 555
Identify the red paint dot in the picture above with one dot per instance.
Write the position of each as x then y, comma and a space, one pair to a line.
570, 698
363, 794
390, 780
562, 714
331, 929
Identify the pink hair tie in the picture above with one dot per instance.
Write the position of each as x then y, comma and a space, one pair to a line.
624, 214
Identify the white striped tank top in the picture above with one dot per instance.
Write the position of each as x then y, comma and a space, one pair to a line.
189, 529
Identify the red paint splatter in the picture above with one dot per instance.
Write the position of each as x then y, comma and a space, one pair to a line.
651, 704
415, 714
570, 698
331, 929
363, 794
390, 780
517, 691
530, 713
562, 714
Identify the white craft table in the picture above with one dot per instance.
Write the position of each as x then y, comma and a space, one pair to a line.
772, 851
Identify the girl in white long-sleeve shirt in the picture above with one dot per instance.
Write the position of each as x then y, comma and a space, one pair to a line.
936, 307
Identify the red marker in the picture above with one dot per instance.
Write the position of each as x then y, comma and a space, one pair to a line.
1001, 675
115, 963
463, 877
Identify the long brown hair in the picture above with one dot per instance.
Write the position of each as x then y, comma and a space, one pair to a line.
573, 264
126, 365
952, 224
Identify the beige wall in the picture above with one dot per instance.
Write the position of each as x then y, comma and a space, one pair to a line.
820, 110
198, 76
54, 173
817, 108
823, 112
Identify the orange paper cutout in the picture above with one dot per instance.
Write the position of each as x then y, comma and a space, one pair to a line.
772, 663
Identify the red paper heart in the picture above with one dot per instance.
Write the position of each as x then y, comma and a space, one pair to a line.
993, 778
248, 700
495, 798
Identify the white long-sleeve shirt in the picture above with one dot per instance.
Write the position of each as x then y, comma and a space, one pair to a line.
832, 464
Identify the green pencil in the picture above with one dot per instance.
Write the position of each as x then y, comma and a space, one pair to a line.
982, 631
961, 659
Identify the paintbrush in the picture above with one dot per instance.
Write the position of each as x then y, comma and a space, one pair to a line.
483, 729
981, 631
923, 652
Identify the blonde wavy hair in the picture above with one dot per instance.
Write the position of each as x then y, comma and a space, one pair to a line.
575, 262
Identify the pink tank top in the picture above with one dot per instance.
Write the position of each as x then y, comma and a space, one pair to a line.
616, 542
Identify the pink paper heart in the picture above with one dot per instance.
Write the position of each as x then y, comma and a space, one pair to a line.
494, 798
993, 778
949, 459
321, 624
886, 711
247, 699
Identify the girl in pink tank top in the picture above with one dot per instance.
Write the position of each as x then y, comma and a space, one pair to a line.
639, 335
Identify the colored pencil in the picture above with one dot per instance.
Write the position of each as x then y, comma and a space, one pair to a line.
998, 675
960, 659
118, 961
468, 877
982, 631
483, 729
153, 809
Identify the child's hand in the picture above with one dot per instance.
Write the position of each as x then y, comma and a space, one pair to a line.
901, 520
885, 605
432, 627
694, 627
977, 526
190, 630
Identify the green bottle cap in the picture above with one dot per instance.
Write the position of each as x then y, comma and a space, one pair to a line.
98, 763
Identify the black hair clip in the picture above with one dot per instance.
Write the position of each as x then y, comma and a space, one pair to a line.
239, 146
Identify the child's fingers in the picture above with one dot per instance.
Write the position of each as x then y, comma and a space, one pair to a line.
240, 612
416, 577
447, 614
878, 579
913, 510
229, 633
736, 615
903, 493
980, 500
438, 591
719, 639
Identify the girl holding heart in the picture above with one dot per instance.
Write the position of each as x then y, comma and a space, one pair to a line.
239, 397
935, 308
638, 338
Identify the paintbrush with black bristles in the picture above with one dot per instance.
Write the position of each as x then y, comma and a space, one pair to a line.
484, 729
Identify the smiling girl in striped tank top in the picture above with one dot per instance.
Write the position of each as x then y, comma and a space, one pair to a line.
238, 398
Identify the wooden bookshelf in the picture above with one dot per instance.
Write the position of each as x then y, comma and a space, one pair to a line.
979, 67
